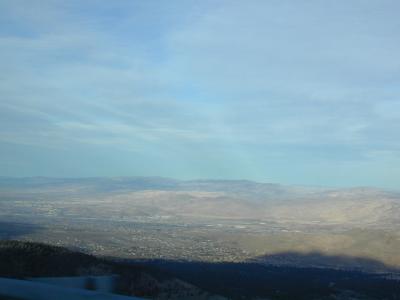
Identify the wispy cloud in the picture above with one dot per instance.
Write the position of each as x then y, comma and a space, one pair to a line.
260, 90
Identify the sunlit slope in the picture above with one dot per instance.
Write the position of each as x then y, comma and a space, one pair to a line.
129, 197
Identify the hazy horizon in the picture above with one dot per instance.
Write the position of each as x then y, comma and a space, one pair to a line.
204, 179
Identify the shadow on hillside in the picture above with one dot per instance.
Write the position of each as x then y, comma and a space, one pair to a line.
14, 230
319, 260
252, 279
247, 280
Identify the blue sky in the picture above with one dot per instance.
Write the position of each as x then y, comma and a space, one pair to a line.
295, 92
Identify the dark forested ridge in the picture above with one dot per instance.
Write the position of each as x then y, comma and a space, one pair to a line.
160, 279
26, 259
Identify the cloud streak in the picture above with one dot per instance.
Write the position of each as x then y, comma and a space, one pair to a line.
270, 91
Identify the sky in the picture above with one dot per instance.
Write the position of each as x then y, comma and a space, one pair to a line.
293, 92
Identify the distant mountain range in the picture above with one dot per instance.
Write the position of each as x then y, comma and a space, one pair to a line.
237, 199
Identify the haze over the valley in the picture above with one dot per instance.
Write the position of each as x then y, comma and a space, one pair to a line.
206, 220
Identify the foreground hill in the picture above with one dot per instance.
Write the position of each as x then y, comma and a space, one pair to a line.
25, 259
161, 279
